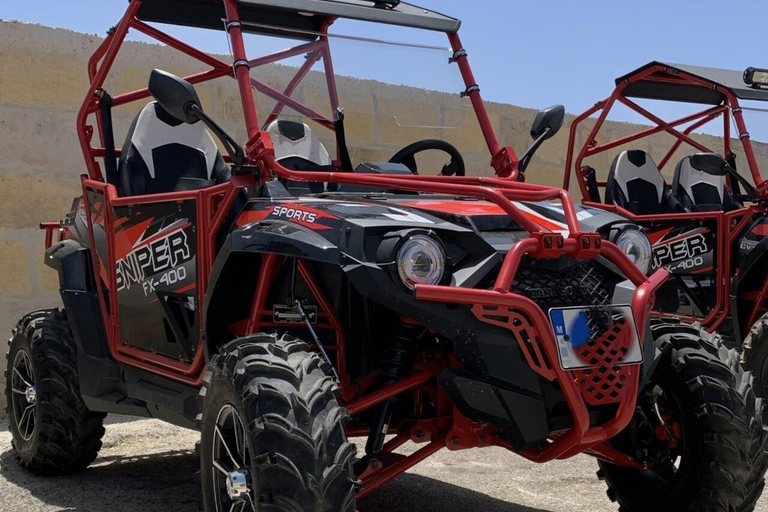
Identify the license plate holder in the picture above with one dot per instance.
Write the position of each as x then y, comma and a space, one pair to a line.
595, 336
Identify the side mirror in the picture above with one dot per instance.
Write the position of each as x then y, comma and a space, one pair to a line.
548, 122
545, 125
710, 163
175, 95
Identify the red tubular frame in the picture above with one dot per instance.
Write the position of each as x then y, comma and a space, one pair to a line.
49, 228
413, 381
213, 204
380, 478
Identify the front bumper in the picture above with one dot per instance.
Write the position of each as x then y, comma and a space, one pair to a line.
530, 326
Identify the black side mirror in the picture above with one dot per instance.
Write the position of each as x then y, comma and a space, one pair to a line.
177, 96
548, 122
710, 163
545, 125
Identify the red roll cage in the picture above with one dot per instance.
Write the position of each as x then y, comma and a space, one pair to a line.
259, 151
675, 82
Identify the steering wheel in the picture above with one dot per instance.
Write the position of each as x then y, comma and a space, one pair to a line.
407, 156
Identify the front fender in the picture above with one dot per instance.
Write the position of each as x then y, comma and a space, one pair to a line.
235, 271
285, 238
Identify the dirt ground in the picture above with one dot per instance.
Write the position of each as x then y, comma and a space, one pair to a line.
150, 466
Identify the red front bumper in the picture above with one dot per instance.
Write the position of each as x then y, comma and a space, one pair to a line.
518, 313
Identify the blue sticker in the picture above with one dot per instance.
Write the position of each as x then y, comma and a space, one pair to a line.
579, 331
558, 322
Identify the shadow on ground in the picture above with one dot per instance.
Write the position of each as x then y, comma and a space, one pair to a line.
416, 493
169, 482
151, 483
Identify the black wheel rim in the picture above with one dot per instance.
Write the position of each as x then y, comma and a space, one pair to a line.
24, 395
231, 461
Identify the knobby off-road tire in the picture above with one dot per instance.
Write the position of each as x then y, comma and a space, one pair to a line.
272, 431
53, 431
722, 452
755, 356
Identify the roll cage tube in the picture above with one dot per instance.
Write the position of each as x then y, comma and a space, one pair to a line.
259, 149
501, 190
730, 103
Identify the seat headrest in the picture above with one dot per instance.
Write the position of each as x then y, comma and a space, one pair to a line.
297, 140
163, 154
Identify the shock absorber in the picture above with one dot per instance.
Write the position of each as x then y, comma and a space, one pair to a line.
396, 366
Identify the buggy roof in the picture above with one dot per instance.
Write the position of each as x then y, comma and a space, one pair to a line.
665, 84
294, 15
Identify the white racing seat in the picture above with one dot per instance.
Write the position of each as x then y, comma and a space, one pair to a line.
636, 184
298, 148
698, 191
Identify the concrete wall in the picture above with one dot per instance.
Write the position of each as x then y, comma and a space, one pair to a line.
41, 160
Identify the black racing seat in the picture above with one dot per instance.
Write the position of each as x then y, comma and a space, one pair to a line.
636, 184
698, 191
163, 154
298, 148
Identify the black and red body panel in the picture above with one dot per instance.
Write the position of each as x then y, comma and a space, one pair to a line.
156, 278
752, 237
749, 286
688, 252
683, 250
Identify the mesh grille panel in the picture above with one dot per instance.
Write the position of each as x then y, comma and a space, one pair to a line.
584, 284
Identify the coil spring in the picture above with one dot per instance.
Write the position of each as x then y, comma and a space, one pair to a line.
397, 359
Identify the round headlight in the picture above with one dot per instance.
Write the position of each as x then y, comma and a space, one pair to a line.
635, 244
420, 260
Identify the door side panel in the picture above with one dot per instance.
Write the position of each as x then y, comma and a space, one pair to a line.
688, 250
155, 267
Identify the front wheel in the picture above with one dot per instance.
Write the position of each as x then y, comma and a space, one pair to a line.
272, 431
698, 426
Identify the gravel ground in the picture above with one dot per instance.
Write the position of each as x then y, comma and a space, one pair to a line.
150, 466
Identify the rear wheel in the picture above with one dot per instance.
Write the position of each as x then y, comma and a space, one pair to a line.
53, 431
272, 431
698, 426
